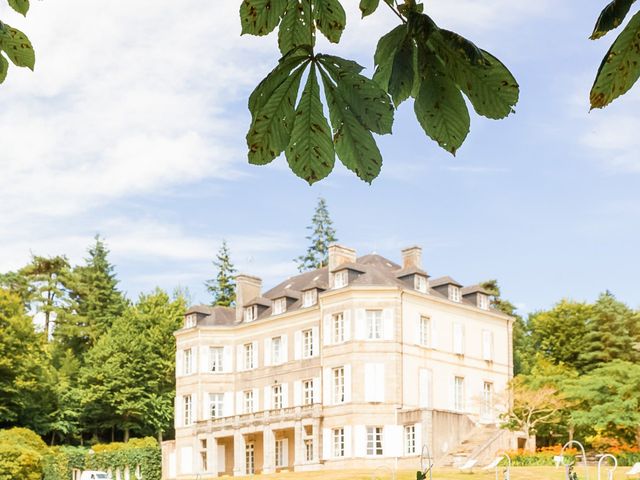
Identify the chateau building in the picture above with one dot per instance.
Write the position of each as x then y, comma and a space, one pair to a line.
354, 365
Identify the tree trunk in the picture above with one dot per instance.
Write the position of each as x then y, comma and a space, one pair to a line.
46, 326
126, 434
53, 439
571, 431
638, 436
113, 433
159, 436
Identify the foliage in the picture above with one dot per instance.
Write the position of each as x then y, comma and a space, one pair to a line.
620, 67
138, 451
59, 463
21, 452
15, 44
322, 235
223, 287
416, 59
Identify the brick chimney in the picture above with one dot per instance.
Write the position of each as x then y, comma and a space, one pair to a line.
339, 255
412, 257
247, 288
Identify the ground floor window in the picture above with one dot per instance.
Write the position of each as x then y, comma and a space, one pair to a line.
308, 450
374, 440
409, 439
280, 453
250, 458
338, 442
487, 399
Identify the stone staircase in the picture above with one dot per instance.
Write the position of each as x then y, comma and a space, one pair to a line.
482, 444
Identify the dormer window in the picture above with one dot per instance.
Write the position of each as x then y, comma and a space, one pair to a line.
341, 279
454, 293
279, 306
420, 283
250, 313
191, 320
309, 298
483, 301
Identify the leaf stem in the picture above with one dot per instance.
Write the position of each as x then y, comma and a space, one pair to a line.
394, 10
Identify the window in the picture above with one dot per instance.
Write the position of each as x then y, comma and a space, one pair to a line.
308, 450
309, 297
248, 401
188, 410
425, 331
487, 399
409, 439
454, 293
279, 306
216, 405
338, 385
307, 343
279, 453
458, 339
341, 279
250, 313
487, 345
374, 440
420, 283
250, 458
216, 355
374, 324
337, 331
276, 397
307, 392
483, 301
188, 362
248, 356
459, 394
276, 350
191, 320
338, 442
203, 454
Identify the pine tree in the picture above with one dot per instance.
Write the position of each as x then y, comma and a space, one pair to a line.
322, 235
223, 287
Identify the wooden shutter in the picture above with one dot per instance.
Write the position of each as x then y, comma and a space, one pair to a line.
268, 392
317, 391
285, 395
424, 388
348, 442
255, 354
267, 351
315, 341
227, 409
387, 324
227, 358
327, 444
347, 383
369, 382
327, 392
297, 348
346, 318
297, 393
359, 440
360, 324
327, 330
284, 348
380, 382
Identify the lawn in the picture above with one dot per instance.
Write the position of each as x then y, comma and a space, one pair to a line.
517, 473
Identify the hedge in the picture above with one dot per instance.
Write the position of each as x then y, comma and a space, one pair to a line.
21, 454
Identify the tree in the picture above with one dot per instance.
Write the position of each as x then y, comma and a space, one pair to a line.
322, 235
14, 43
223, 287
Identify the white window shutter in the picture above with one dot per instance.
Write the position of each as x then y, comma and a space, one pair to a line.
228, 404
267, 352
240, 358
434, 334
327, 330
180, 363
239, 403
458, 339
317, 393
177, 408
227, 358
369, 382
284, 349
346, 318
315, 339
206, 407
255, 354
327, 387
414, 329
361, 324
205, 359
327, 451
424, 388
487, 345
387, 324
392, 441
268, 392
297, 393
194, 408
359, 440
452, 393
380, 387
348, 441
347, 383
285, 452
285, 395
418, 430
297, 348
256, 399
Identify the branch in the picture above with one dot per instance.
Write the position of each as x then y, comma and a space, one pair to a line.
394, 10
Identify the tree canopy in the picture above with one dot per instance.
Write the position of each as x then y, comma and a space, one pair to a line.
223, 287
322, 235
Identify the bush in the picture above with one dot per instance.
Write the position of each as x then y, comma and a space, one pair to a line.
21, 453
24, 437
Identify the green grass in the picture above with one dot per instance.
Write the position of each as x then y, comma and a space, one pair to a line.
517, 473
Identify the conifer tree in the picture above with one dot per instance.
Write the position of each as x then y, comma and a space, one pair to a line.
223, 287
322, 235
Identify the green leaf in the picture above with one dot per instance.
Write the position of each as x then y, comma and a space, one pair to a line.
401, 79
463, 47
17, 46
339, 63
272, 123
4, 68
296, 27
611, 17
385, 51
365, 98
441, 109
310, 153
620, 67
330, 18
260, 17
367, 7
354, 144
20, 6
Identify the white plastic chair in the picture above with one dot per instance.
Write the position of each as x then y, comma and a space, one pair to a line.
493, 464
635, 470
468, 466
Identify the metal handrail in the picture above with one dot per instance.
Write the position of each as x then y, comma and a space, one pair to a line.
584, 458
610, 470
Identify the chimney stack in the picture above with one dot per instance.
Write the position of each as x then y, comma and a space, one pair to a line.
412, 257
247, 288
339, 255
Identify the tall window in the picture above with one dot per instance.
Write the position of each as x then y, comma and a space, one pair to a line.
308, 449
279, 306
374, 440
279, 453
188, 362
250, 313
458, 339
487, 345
191, 320
250, 458
216, 405
420, 283
338, 385
483, 301
248, 401
409, 439
425, 331
341, 279
338, 328
307, 343
276, 350
203, 455
338, 442
487, 399
276, 397
309, 297
374, 324
248, 356
307, 392
216, 356
459, 394
454, 293
187, 410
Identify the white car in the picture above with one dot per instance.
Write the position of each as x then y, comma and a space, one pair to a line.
94, 475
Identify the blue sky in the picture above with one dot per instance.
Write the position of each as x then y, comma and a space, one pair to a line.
133, 126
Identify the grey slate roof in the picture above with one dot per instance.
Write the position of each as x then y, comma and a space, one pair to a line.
437, 282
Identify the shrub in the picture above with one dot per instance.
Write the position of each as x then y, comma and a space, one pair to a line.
21, 452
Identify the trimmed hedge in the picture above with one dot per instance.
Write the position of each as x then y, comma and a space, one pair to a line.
21, 454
